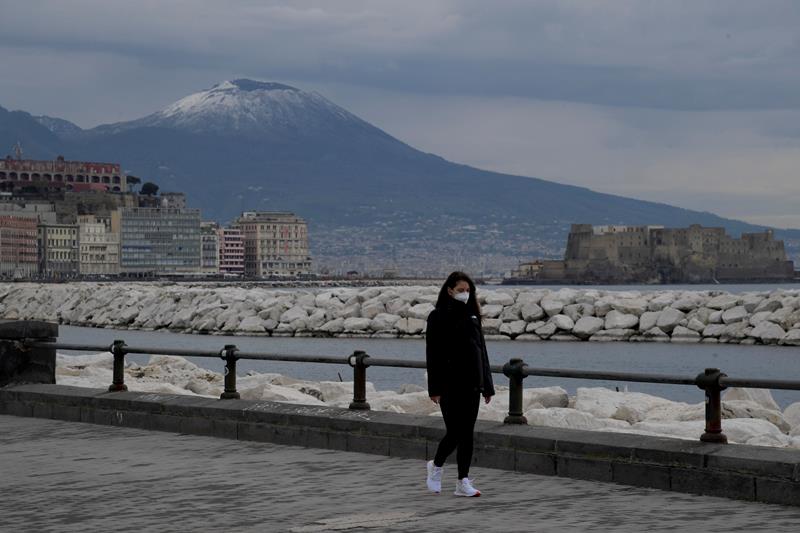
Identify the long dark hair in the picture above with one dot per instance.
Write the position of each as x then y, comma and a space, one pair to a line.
452, 280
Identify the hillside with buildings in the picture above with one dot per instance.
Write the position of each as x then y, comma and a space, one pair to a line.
66, 220
372, 202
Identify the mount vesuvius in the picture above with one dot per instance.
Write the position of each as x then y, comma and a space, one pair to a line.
372, 201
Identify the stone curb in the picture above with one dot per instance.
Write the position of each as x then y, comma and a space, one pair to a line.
734, 471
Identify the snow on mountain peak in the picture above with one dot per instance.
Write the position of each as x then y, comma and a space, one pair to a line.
245, 105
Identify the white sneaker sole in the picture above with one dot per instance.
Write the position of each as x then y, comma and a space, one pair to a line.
477, 493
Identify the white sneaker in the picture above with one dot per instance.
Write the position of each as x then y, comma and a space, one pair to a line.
435, 477
464, 488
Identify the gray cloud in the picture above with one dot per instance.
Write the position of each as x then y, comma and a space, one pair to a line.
676, 55
689, 101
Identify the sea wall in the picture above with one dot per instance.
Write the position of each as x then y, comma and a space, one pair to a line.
767, 317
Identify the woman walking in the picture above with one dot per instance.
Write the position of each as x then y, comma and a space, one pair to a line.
458, 375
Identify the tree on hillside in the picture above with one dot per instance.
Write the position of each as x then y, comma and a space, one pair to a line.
132, 181
149, 189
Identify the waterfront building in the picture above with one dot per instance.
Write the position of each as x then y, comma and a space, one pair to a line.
231, 252
209, 247
58, 250
98, 247
157, 240
18, 246
275, 244
59, 174
655, 254
175, 200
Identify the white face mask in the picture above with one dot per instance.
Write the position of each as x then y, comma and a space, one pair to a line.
462, 297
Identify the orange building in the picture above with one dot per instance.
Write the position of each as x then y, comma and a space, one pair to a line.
18, 250
59, 174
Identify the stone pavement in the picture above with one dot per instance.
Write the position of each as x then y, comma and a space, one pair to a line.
68, 476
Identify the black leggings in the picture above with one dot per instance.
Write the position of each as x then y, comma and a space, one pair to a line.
459, 412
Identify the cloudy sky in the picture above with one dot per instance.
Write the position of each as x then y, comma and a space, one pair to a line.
694, 103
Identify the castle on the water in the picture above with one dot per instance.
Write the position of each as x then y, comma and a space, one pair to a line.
655, 254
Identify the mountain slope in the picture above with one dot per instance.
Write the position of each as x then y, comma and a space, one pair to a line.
371, 200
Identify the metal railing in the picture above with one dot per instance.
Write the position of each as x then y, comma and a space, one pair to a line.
712, 381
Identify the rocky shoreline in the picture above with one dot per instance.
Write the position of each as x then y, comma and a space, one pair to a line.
751, 415
767, 317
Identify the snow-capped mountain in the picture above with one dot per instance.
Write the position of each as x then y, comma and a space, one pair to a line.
250, 145
59, 126
247, 107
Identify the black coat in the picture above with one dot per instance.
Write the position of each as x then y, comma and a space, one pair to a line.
455, 351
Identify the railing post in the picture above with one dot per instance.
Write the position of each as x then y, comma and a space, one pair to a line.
359, 364
514, 371
228, 354
118, 382
709, 382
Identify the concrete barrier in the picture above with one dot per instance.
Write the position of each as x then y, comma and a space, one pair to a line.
19, 364
732, 471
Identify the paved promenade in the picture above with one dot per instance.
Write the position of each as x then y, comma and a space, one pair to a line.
65, 476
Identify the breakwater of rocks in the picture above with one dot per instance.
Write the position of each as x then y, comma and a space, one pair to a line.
768, 317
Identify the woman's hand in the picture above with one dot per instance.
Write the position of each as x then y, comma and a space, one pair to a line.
487, 399
435, 399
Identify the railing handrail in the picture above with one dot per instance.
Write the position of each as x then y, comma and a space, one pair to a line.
569, 373
712, 381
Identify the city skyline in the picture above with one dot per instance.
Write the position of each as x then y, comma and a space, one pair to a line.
693, 104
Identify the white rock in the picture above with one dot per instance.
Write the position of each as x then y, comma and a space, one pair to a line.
334, 326
531, 312
792, 338
748, 409
714, 330
723, 302
573, 311
715, 317
660, 302
682, 334
630, 306
737, 330
420, 311
735, 314
372, 309
491, 311
545, 397
656, 334
383, 322
499, 298
792, 415
559, 417
491, 325
762, 397
696, 325
768, 332
602, 307
356, 324
648, 320
546, 331
587, 326
609, 335
757, 318
770, 304
252, 324
512, 329
563, 322
552, 307
669, 318
755, 432
617, 320
687, 303
511, 314
751, 302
